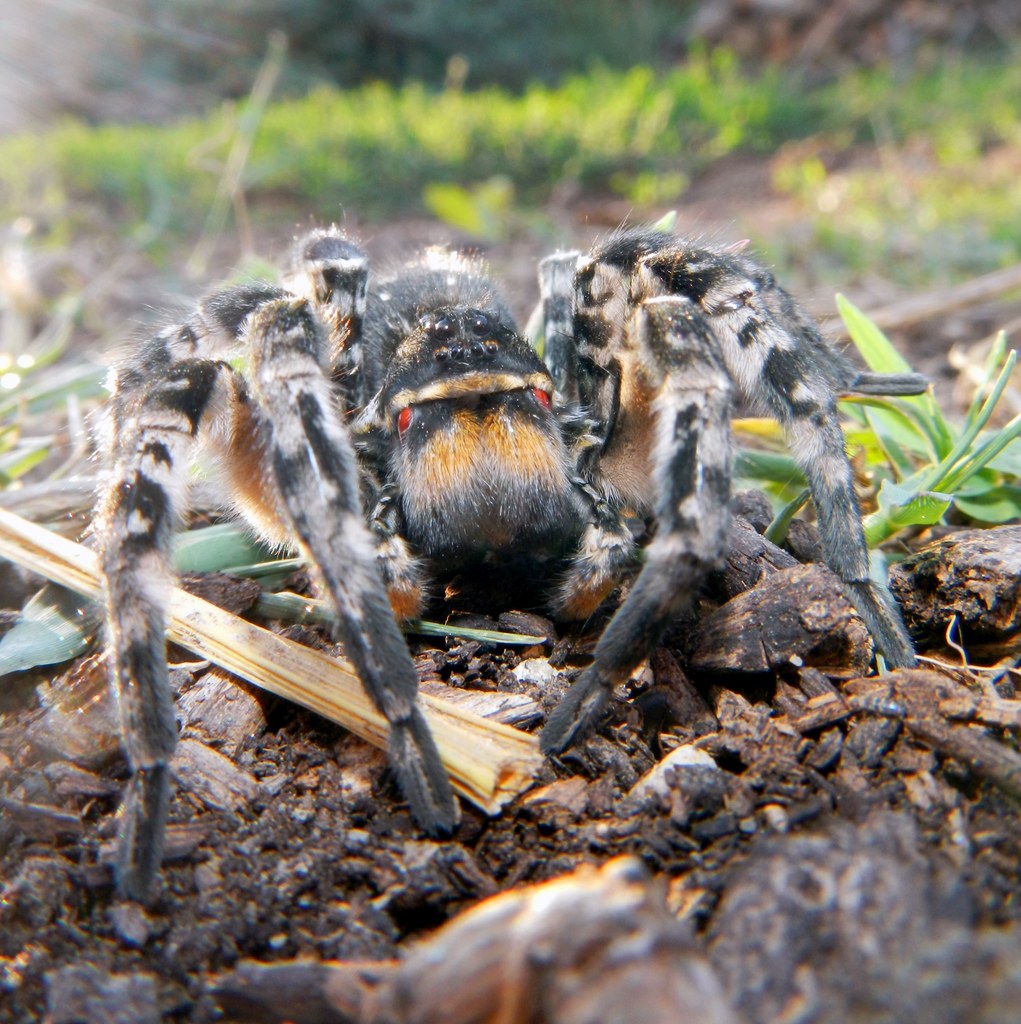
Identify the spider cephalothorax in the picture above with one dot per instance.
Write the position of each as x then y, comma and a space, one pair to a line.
398, 429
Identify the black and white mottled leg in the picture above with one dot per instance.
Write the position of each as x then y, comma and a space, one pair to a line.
691, 469
776, 356
402, 573
556, 291
605, 554
316, 474
779, 359
334, 274
155, 435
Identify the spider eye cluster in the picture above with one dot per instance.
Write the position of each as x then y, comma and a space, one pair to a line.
460, 337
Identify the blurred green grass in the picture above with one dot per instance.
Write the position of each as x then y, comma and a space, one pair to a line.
948, 141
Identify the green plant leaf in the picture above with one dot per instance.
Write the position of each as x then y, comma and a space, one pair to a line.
875, 347
776, 532
54, 626
217, 548
995, 505
881, 356
899, 507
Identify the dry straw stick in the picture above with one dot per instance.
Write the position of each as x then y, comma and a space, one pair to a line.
488, 763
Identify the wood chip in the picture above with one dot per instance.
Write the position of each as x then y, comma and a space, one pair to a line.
212, 777
597, 945
973, 576
800, 611
227, 711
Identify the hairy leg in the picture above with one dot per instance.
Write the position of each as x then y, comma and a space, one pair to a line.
316, 474
154, 435
691, 468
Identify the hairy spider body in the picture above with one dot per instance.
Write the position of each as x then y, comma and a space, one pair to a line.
458, 412
396, 432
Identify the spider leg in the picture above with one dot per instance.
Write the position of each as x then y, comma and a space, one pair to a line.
556, 291
154, 436
782, 356
317, 478
818, 444
605, 553
691, 467
401, 572
335, 277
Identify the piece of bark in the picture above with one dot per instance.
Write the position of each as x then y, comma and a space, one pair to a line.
803, 541
40, 821
598, 945
754, 507
84, 992
68, 780
750, 559
915, 698
79, 722
853, 924
213, 778
798, 613
528, 624
40, 892
227, 711
235, 594
973, 575
565, 796
686, 705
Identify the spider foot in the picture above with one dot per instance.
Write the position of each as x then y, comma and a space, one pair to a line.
883, 621
142, 833
576, 715
415, 760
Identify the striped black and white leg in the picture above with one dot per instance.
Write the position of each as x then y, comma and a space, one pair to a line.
691, 460
316, 473
785, 366
336, 277
155, 435
556, 292
605, 554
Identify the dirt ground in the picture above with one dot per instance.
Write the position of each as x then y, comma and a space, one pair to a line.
838, 847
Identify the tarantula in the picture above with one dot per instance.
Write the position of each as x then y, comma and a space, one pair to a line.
399, 431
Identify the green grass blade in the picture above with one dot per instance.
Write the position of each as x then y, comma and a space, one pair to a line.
982, 455
881, 356
296, 608
875, 347
488, 636
937, 477
776, 532
913, 429
991, 370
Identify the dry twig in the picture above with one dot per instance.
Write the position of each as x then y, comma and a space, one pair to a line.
488, 763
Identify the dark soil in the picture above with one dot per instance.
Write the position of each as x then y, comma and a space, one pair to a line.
289, 841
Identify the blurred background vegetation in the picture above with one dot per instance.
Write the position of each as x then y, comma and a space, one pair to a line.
149, 147
891, 131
